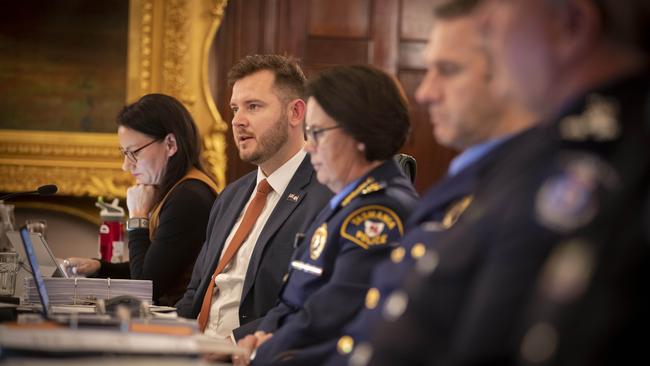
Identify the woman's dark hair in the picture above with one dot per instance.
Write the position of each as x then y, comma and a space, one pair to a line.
158, 115
368, 104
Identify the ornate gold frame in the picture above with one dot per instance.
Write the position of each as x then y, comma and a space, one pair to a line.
168, 52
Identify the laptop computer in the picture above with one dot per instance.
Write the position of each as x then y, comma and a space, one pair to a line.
50, 267
101, 341
68, 318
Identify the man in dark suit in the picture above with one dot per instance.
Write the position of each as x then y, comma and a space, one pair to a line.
563, 210
267, 126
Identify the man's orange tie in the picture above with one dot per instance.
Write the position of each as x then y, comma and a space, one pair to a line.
248, 221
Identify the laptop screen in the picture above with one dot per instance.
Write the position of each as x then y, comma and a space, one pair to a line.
36, 270
46, 260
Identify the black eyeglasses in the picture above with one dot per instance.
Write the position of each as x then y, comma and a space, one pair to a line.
311, 133
131, 155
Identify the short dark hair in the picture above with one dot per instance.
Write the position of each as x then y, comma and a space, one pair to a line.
368, 104
449, 9
158, 115
289, 77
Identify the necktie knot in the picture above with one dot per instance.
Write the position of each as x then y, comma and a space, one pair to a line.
264, 187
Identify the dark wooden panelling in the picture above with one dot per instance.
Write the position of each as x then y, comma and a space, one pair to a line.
416, 19
271, 17
292, 27
385, 35
336, 51
432, 158
342, 18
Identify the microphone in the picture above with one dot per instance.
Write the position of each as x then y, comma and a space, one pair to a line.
46, 190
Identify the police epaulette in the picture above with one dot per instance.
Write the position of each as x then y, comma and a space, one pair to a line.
368, 186
598, 122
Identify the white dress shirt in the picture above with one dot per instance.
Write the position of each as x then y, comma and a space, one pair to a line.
224, 312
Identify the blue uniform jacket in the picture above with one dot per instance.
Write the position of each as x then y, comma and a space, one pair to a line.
329, 275
437, 214
556, 234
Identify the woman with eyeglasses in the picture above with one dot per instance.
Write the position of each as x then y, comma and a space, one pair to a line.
170, 203
357, 119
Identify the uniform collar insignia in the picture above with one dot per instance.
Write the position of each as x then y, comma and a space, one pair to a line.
368, 186
598, 122
455, 211
452, 214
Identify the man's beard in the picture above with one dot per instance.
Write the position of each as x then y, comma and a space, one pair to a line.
269, 143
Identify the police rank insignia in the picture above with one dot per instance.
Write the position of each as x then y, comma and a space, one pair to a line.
371, 225
455, 210
598, 122
318, 241
367, 187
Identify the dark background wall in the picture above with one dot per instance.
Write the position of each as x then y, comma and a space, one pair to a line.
390, 34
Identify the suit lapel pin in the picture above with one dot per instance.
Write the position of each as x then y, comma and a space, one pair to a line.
293, 197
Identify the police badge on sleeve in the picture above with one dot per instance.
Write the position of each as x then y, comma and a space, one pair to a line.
371, 225
318, 241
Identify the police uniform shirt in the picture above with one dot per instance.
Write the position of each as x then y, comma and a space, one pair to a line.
330, 272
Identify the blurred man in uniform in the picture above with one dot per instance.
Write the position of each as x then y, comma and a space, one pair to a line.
591, 300
464, 115
561, 217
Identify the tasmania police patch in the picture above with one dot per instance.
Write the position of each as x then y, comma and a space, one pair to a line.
371, 225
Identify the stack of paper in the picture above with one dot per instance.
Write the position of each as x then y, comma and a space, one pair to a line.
63, 291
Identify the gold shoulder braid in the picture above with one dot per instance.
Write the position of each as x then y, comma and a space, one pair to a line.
191, 174
368, 186
455, 210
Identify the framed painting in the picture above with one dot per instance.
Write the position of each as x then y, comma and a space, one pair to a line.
72, 65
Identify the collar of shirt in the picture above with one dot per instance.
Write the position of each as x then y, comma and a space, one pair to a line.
280, 178
344, 192
473, 154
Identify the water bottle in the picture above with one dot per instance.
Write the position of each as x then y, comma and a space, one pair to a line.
111, 231
7, 223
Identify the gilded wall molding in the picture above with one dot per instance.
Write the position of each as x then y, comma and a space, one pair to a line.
168, 50
175, 51
80, 164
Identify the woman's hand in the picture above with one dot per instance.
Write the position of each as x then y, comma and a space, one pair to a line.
82, 266
139, 199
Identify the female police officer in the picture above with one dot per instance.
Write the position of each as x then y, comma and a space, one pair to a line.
356, 121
